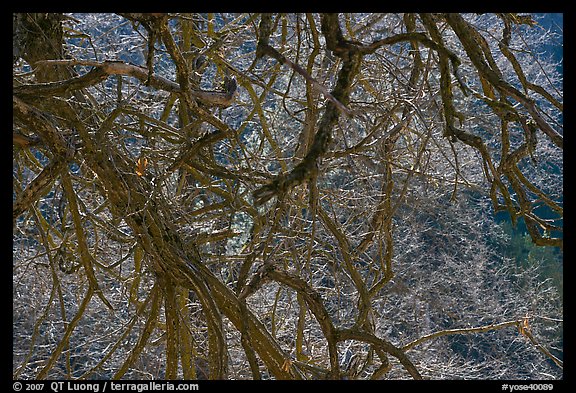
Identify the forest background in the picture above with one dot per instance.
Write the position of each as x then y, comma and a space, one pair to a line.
287, 196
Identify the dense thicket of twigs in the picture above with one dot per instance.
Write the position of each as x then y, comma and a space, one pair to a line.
288, 196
